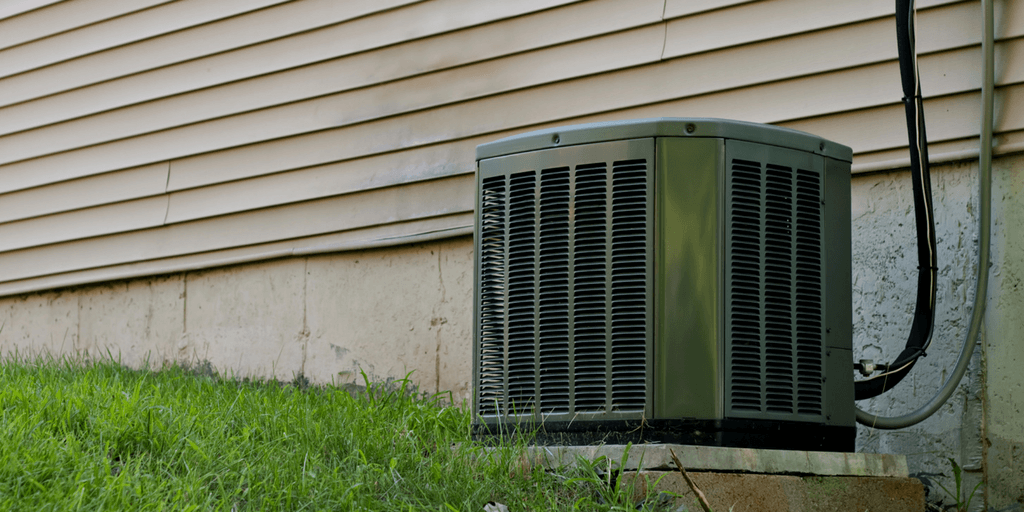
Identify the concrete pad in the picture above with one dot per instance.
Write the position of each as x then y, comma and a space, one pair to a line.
247, 319
738, 492
39, 323
139, 321
745, 479
716, 458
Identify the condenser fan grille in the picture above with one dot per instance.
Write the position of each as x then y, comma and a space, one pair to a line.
564, 289
774, 281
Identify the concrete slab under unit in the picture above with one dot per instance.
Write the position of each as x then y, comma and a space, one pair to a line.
715, 458
745, 479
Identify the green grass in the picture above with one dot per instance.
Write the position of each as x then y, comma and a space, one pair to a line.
79, 435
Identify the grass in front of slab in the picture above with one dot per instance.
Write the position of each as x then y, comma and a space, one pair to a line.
80, 435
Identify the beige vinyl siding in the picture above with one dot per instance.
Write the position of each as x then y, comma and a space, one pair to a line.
238, 131
336, 214
107, 188
29, 20
16, 7
124, 30
310, 70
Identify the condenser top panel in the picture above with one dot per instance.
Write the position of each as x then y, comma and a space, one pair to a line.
663, 127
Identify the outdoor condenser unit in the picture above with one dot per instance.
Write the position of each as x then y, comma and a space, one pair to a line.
665, 280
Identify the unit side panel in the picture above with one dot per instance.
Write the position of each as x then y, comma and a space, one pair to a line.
839, 406
688, 315
564, 305
774, 283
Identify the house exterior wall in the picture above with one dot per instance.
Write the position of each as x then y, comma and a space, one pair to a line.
285, 188
394, 310
152, 137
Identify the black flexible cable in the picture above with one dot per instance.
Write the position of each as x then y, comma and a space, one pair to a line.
924, 312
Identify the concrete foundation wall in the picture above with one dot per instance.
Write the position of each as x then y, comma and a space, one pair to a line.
386, 312
404, 309
884, 296
982, 425
1003, 392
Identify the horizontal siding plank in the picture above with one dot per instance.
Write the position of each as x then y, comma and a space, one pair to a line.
122, 30
945, 151
378, 207
947, 118
680, 8
60, 16
375, 236
873, 129
946, 110
102, 220
255, 173
1015, 117
387, 170
403, 60
391, 26
592, 56
519, 110
747, 23
96, 190
13, 8
426, 163
124, 123
731, 68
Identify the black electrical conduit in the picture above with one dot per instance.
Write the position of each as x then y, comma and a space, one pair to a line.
927, 265
903, 364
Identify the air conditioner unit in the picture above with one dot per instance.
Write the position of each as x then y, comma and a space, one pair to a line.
665, 280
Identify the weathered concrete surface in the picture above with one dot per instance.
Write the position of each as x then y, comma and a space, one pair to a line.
137, 320
39, 323
738, 492
884, 289
391, 312
386, 311
744, 479
1004, 350
247, 319
716, 458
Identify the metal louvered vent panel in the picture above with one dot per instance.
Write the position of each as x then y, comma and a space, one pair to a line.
564, 295
491, 324
522, 292
590, 287
554, 290
629, 285
809, 293
775, 289
745, 285
778, 289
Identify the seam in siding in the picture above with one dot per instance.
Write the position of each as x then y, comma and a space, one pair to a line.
167, 187
664, 34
